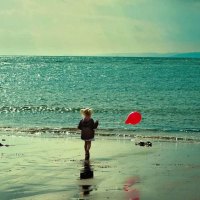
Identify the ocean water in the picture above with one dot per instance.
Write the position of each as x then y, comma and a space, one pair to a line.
48, 92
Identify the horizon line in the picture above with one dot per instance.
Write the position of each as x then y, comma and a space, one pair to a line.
149, 54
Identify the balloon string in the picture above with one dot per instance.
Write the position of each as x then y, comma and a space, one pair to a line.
111, 122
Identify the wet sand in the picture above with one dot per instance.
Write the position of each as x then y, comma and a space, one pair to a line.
54, 168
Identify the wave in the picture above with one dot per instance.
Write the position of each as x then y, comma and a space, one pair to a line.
64, 109
40, 108
153, 134
57, 109
46, 108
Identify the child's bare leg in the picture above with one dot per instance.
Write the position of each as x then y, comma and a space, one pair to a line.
85, 146
88, 146
87, 149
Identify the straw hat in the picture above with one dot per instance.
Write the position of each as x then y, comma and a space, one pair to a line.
86, 111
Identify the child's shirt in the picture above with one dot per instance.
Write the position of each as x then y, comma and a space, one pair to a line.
87, 127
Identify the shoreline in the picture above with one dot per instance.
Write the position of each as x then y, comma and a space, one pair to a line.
109, 133
50, 168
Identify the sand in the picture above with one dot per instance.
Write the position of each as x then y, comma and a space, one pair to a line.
36, 167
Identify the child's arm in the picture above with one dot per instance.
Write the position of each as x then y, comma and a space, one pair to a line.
80, 125
96, 124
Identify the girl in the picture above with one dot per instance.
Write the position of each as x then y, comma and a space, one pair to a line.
87, 126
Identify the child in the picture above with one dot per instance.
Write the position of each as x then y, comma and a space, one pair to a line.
87, 126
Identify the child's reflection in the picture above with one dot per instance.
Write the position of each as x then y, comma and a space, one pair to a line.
86, 173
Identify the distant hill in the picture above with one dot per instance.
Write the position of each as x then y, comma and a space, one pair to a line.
165, 55
187, 55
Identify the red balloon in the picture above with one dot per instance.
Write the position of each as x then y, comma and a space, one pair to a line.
133, 118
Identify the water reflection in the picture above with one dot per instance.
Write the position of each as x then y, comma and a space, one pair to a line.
86, 173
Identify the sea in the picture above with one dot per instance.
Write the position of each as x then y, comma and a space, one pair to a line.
44, 95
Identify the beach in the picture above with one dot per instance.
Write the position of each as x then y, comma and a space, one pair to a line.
131, 66
39, 167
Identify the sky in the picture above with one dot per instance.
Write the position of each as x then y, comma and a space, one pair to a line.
93, 27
